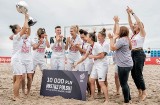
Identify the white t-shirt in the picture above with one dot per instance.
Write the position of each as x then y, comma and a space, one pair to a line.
137, 41
85, 46
58, 49
74, 54
39, 53
25, 52
105, 46
95, 50
16, 43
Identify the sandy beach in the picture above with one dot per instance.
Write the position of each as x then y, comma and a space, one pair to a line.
151, 76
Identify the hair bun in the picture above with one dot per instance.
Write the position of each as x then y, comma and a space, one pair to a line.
104, 30
11, 26
81, 31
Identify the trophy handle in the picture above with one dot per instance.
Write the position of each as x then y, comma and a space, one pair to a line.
31, 21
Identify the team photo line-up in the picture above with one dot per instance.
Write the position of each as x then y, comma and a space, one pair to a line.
87, 51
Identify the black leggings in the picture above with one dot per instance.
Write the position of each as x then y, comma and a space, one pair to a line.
136, 72
123, 73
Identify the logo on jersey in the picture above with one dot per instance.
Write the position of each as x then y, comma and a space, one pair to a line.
41, 50
25, 48
134, 42
57, 48
73, 49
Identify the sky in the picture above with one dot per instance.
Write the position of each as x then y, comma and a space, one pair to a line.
50, 13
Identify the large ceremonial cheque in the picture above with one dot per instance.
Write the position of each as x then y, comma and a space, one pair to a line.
68, 84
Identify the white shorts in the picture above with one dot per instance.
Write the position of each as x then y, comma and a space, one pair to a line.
41, 63
98, 72
17, 67
27, 66
58, 64
106, 67
86, 66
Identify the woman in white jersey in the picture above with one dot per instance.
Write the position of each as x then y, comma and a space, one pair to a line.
138, 54
102, 41
95, 51
27, 58
88, 63
58, 50
39, 53
72, 43
16, 63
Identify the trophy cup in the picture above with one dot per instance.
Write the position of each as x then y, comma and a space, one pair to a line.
22, 7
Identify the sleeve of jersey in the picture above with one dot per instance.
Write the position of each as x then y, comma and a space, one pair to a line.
16, 37
34, 41
106, 48
79, 41
88, 49
99, 48
119, 43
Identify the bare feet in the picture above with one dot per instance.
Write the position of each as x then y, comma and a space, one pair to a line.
16, 99
126, 103
143, 97
117, 94
106, 102
91, 99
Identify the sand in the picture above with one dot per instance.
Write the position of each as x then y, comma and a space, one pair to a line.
151, 76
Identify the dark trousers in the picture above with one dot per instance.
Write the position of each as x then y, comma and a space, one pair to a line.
136, 72
123, 73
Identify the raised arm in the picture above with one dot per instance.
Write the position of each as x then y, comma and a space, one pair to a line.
29, 31
116, 34
25, 26
139, 23
130, 20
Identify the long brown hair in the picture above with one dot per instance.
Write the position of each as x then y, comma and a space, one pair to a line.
124, 31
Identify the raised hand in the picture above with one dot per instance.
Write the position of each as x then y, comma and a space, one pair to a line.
116, 19
129, 10
41, 41
75, 64
27, 16
110, 36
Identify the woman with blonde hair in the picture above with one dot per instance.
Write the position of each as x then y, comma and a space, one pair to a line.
138, 54
72, 43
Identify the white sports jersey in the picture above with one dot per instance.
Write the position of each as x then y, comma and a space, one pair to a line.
74, 54
137, 41
85, 46
95, 50
105, 46
58, 49
39, 53
17, 42
25, 52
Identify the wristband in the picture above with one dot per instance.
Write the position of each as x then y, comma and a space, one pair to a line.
133, 13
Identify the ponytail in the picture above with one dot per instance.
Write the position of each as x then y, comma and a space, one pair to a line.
13, 28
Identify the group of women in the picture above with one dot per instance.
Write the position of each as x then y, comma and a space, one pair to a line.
86, 52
